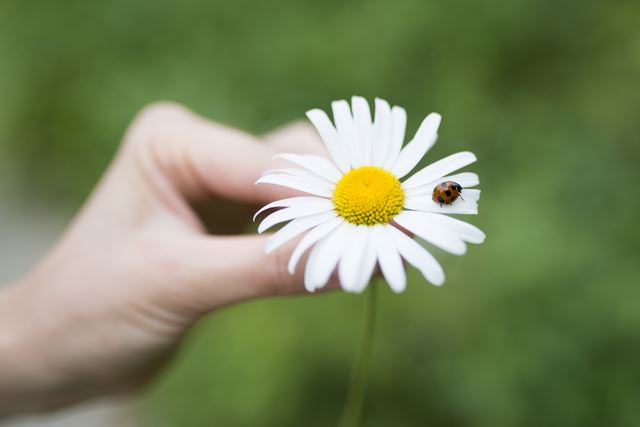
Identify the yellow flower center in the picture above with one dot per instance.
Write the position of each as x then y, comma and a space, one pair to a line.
368, 195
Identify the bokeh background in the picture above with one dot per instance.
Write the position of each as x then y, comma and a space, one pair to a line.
538, 326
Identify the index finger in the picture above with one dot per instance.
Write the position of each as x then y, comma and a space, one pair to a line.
199, 157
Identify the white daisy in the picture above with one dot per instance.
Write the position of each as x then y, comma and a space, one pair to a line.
359, 200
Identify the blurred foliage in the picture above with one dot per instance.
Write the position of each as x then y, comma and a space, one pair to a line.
538, 326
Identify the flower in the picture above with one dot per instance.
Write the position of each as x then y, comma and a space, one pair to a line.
360, 208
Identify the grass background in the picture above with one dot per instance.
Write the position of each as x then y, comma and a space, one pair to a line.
538, 326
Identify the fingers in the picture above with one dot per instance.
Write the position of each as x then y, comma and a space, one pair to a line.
296, 137
183, 156
199, 157
172, 145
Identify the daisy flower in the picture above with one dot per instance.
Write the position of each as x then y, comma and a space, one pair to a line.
361, 205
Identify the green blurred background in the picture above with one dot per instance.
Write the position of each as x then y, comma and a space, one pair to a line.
538, 326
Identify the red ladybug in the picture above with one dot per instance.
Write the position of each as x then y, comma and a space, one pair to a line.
446, 193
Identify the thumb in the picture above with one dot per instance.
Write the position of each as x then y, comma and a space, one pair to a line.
229, 269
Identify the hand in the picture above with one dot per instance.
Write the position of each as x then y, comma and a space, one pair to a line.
136, 268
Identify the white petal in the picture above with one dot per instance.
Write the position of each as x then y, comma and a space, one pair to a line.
304, 174
288, 171
323, 259
440, 168
292, 201
309, 280
315, 164
463, 230
424, 203
330, 138
309, 239
381, 132
306, 184
368, 263
297, 227
465, 179
417, 256
389, 259
364, 128
416, 149
292, 212
416, 223
346, 131
398, 127
349, 268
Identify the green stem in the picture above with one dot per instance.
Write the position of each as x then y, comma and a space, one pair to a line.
352, 411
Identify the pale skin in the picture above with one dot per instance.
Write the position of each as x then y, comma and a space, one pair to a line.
109, 304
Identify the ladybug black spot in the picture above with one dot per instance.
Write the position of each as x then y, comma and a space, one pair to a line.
448, 193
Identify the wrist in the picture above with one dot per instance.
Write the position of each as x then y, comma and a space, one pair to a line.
27, 384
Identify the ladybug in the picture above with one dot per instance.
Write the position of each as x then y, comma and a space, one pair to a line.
446, 193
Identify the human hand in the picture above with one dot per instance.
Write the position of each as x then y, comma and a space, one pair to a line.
136, 268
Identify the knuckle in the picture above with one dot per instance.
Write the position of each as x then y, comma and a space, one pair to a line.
161, 111
157, 115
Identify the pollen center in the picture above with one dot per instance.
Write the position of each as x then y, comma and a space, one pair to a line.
368, 195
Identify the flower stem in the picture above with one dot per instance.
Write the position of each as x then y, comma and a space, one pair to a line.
352, 412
